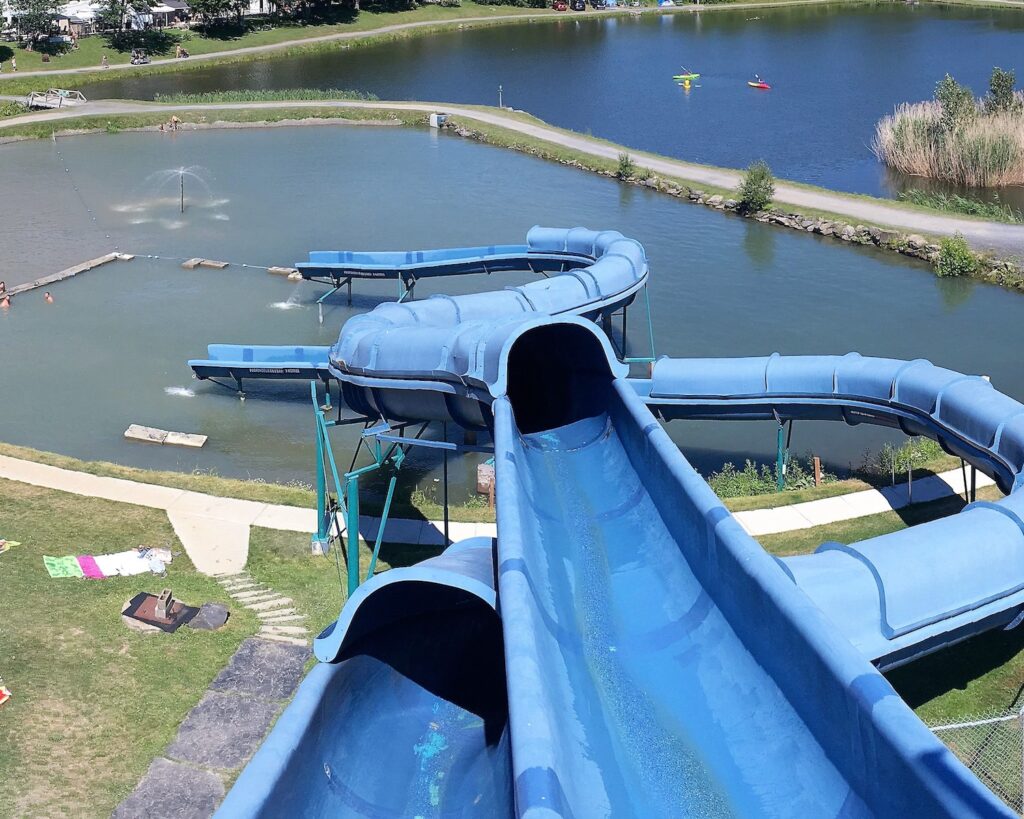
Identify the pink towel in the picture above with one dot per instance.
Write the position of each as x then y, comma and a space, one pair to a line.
89, 567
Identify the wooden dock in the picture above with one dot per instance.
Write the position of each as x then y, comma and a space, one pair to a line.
152, 435
192, 264
45, 281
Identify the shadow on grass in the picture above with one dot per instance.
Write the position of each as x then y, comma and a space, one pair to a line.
954, 668
6, 52
152, 41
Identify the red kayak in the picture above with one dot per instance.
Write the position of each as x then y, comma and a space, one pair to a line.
762, 85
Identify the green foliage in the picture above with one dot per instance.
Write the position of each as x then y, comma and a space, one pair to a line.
956, 257
760, 479
995, 210
36, 16
11, 109
533, 4
263, 96
627, 167
957, 103
115, 14
1001, 96
913, 454
757, 189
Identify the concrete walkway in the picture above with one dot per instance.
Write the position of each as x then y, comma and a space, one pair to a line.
984, 235
856, 504
215, 530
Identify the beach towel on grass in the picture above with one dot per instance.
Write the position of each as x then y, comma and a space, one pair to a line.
124, 564
5, 694
62, 566
89, 567
5, 545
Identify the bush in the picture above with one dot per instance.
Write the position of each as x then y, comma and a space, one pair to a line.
912, 454
758, 188
1001, 96
760, 479
995, 210
957, 104
627, 167
956, 257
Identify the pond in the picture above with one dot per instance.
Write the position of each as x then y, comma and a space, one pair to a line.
112, 348
835, 70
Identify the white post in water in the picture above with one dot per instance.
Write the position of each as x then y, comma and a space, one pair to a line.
499, 98
181, 177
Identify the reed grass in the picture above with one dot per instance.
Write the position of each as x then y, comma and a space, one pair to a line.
984, 151
259, 95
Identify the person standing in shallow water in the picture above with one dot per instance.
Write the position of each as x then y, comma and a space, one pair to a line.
47, 297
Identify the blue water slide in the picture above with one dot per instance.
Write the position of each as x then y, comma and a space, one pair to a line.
655, 660
908, 593
261, 361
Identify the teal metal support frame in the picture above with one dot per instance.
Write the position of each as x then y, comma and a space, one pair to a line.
650, 336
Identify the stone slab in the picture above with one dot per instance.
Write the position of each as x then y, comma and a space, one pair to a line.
171, 790
262, 669
223, 730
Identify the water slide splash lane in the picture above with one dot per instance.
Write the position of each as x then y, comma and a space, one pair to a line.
657, 660
905, 594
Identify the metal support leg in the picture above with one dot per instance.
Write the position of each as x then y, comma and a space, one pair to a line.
625, 313
350, 292
974, 483
321, 540
444, 432
780, 473
241, 392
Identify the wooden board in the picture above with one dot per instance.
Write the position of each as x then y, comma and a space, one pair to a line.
152, 435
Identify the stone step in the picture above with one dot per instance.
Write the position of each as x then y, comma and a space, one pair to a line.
274, 617
265, 605
238, 587
272, 629
252, 595
282, 638
227, 579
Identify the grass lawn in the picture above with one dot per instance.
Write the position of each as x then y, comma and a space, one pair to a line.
93, 701
161, 43
283, 561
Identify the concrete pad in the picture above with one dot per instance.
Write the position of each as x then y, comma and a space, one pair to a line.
172, 790
215, 546
262, 669
210, 506
223, 730
868, 502
460, 531
287, 519
274, 614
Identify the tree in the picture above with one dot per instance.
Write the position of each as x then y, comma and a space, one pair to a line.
758, 188
115, 14
1001, 96
35, 17
958, 104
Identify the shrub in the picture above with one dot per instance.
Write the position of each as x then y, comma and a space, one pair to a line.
627, 167
995, 210
956, 257
956, 102
757, 189
1001, 96
760, 479
912, 454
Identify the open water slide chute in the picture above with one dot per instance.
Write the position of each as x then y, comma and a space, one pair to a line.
625, 649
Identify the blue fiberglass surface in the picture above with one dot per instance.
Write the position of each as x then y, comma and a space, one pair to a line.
661, 708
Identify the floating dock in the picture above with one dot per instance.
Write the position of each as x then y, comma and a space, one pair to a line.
152, 435
67, 273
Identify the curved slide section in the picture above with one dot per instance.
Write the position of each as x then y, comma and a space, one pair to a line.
657, 662
904, 594
407, 713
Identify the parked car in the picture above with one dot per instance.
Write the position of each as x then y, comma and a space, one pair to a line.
578, 5
560, 5
598, 4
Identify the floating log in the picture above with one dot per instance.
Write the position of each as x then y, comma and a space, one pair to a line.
152, 435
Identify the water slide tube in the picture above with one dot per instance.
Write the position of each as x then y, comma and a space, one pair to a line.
910, 592
656, 661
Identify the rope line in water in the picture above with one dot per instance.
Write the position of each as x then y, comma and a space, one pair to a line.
74, 185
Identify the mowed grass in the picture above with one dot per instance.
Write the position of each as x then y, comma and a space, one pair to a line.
93, 701
162, 44
283, 561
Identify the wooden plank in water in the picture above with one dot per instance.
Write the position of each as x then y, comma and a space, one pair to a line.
191, 264
67, 273
213, 264
283, 271
152, 435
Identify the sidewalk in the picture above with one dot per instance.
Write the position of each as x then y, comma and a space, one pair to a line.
854, 505
215, 530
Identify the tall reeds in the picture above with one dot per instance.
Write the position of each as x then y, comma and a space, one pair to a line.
983, 146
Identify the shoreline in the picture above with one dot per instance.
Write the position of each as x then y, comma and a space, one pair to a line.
397, 30
520, 131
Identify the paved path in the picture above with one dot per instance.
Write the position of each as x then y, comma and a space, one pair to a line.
215, 530
983, 235
855, 505
394, 28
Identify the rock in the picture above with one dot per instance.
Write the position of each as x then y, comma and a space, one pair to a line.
210, 618
651, 182
916, 242
848, 233
695, 195
881, 236
732, 204
715, 201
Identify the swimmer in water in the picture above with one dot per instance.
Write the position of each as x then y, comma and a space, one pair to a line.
47, 297
5, 301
